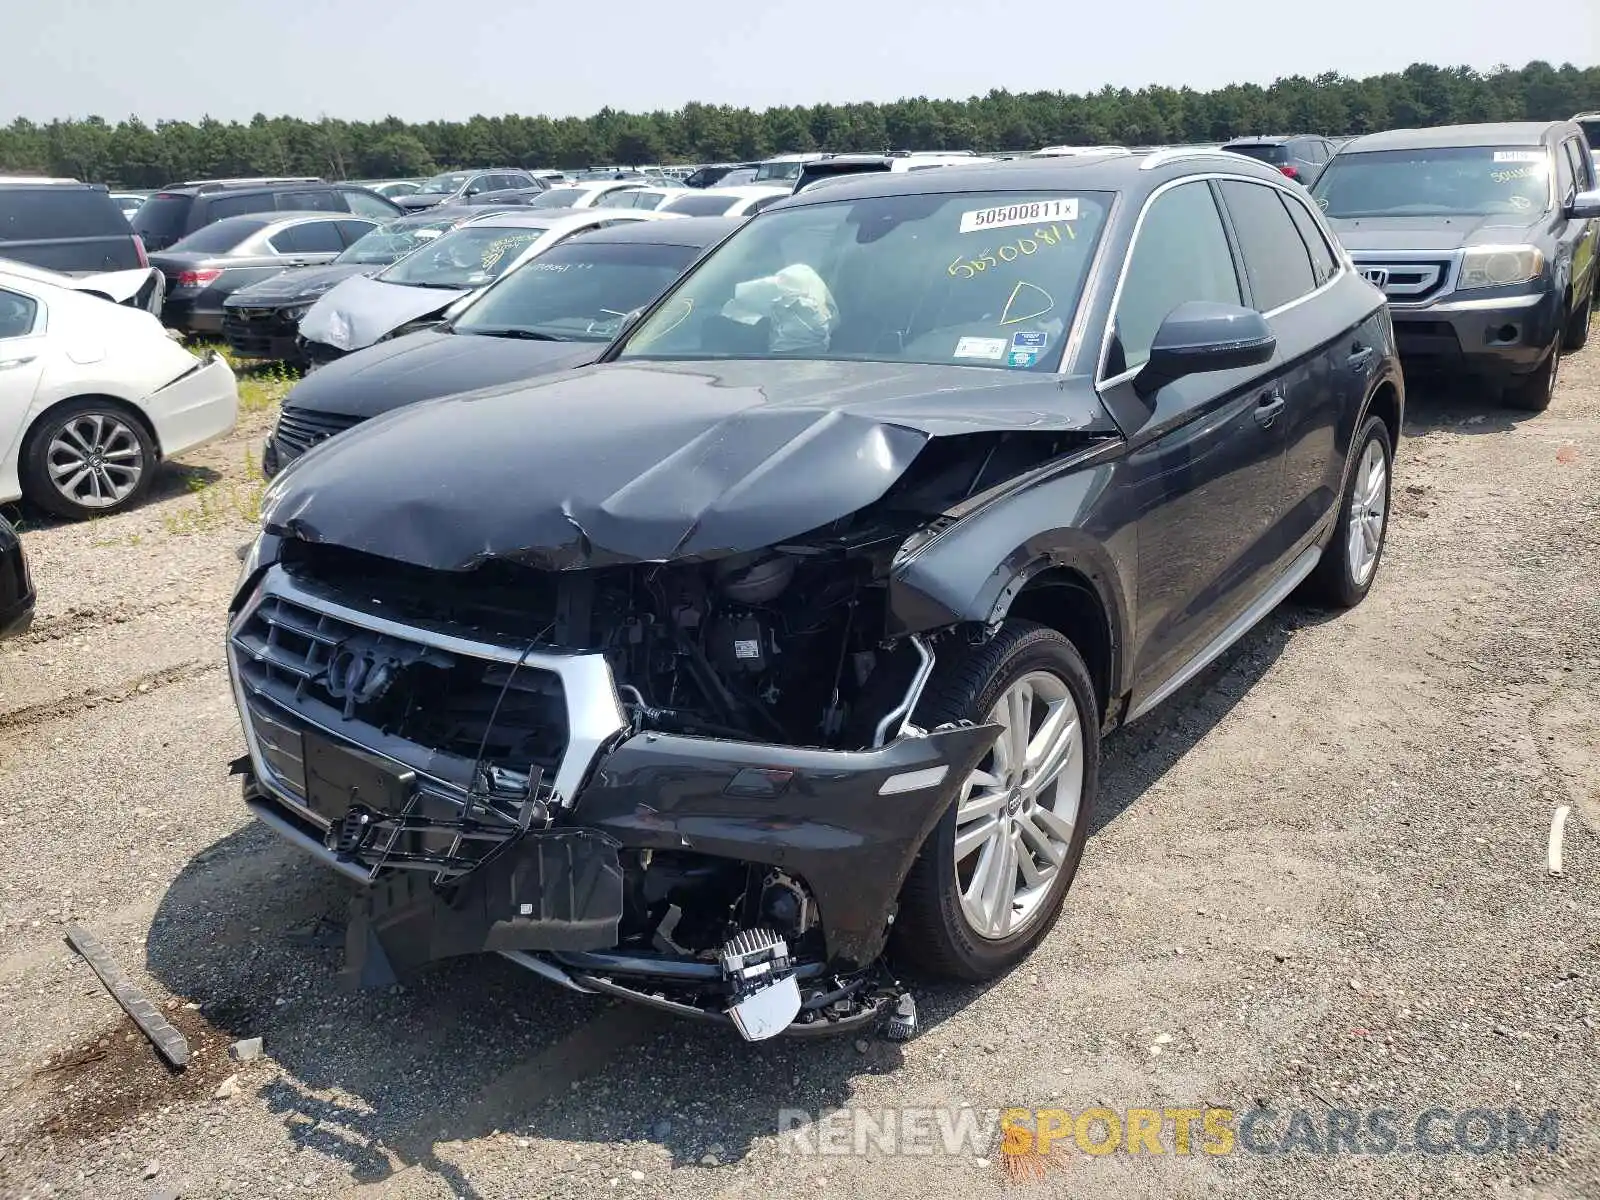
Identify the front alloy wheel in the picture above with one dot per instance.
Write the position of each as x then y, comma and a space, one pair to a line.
88, 459
1018, 811
990, 880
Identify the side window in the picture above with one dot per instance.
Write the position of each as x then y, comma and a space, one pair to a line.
1323, 262
767, 200
1181, 254
1275, 257
364, 204
237, 206
323, 200
1566, 174
353, 231
17, 314
310, 237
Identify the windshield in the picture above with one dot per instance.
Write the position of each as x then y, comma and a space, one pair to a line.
390, 242
1591, 132
987, 279
577, 291
468, 257
450, 181
163, 216
776, 171
1456, 181
1269, 152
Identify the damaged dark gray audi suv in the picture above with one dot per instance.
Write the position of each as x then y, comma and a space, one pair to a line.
772, 653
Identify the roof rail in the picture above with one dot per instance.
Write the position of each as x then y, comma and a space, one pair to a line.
36, 179
241, 180
1160, 158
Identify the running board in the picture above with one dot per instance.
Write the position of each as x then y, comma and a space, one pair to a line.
1236, 629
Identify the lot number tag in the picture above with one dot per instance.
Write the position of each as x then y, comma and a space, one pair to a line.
1527, 156
1029, 213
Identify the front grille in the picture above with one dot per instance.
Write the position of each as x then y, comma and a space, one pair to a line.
1408, 282
300, 429
427, 708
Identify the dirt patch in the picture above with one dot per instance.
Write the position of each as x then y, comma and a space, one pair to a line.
105, 1083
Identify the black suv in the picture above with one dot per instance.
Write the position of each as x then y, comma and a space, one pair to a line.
1299, 156
16, 586
67, 226
1482, 237
179, 209
794, 624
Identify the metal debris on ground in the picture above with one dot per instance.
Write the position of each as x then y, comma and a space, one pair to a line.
173, 1045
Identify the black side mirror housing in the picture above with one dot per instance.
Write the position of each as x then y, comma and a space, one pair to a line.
1584, 206
1200, 336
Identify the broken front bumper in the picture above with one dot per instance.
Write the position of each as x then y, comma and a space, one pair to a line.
545, 883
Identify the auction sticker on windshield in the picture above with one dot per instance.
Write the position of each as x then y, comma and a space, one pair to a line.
1028, 213
981, 347
1527, 156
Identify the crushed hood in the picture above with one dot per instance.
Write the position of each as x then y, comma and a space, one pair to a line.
648, 462
297, 284
1427, 233
422, 365
359, 311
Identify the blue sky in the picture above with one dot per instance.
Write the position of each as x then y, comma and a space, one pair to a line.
423, 59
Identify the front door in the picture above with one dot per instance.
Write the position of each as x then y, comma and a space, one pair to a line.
1206, 465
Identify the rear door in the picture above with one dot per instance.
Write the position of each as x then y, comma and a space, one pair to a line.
1287, 263
22, 322
1207, 462
75, 230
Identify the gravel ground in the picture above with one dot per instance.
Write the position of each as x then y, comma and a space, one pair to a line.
1317, 882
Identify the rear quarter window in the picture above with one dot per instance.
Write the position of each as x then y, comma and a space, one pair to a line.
45, 214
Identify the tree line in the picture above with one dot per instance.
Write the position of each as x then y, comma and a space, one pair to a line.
133, 154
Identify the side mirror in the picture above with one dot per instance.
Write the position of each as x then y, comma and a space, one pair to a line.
1585, 206
1199, 336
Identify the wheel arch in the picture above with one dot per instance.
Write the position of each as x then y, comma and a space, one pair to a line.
1066, 599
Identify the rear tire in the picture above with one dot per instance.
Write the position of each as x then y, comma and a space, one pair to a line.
1344, 574
972, 919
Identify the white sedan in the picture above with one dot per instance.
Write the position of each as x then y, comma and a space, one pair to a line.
724, 202
417, 289
93, 395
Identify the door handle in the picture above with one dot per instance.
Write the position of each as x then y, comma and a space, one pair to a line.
1268, 408
1360, 356
7, 363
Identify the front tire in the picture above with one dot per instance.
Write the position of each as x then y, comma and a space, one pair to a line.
1533, 393
89, 458
1344, 574
1577, 335
992, 877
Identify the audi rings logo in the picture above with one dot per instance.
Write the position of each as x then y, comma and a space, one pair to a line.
358, 676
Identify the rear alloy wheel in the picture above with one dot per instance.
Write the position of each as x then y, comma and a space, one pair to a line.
88, 459
1344, 574
1533, 393
990, 881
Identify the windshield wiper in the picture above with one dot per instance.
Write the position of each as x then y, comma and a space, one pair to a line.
446, 287
527, 335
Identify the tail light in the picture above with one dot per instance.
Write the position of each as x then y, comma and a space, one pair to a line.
198, 278
138, 248
1291, 172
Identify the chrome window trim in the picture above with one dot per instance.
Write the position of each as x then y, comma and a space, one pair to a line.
1342, 261
594, 711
